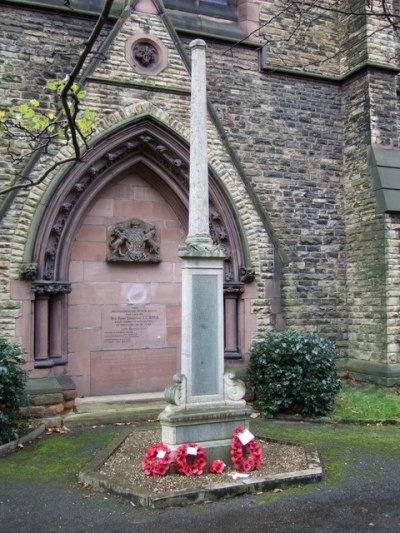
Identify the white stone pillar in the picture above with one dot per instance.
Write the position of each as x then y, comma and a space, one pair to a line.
199, 230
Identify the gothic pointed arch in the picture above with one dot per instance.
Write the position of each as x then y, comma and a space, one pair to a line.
162, 159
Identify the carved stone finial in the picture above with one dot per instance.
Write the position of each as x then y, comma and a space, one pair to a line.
175, 393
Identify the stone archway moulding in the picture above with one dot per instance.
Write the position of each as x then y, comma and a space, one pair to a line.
162, 159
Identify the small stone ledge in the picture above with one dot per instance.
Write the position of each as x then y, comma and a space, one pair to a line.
209, 492
32, 435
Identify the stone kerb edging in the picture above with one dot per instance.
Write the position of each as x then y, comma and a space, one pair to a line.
210, 492
34, 434
344, 421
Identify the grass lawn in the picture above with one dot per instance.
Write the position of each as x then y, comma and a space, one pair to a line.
346, 450
366, 402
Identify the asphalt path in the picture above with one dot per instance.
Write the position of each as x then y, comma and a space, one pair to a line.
366, 500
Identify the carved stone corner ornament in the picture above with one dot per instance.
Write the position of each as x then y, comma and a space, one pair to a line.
175, 393
146, 54
234, 389
133, 241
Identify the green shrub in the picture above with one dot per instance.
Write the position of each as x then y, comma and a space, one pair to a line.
294, 372
12, 389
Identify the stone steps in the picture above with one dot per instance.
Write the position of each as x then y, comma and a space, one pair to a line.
98, 410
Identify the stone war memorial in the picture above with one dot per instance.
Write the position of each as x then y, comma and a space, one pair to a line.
206, 406
152, 260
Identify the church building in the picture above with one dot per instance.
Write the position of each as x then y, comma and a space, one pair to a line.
304, 183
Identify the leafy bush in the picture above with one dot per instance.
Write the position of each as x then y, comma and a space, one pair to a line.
295, 372
12, 389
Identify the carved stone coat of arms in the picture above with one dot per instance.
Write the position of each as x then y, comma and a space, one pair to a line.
133, 240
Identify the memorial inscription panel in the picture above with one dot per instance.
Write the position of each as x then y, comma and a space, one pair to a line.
133, 326
204, 335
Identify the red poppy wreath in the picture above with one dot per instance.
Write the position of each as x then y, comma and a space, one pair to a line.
240, 460
157, 460
196, 466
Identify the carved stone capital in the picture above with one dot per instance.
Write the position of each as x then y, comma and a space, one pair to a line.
201, 249
50, 288
233, 290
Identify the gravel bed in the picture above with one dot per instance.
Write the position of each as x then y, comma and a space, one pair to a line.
124, 466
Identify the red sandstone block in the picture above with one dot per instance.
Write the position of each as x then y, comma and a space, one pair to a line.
126, 209
21, 290
76, 271
78, 363
174, 336
88, 251
68, 405
172, 235
84, 316
94, 293
164, 212
143, 194
90, 233
103, 207
69, 395
121, 372
168, 293
84, 340
56, 409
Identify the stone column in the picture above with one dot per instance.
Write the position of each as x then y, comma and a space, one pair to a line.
48, 327
199, 230
42, 328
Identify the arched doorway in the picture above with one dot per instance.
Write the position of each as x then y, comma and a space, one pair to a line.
115, 323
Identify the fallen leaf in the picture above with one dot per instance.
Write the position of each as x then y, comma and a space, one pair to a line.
255, 415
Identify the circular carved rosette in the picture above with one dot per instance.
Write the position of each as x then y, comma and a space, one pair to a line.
146, 54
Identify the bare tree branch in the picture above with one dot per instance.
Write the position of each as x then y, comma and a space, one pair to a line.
70, 109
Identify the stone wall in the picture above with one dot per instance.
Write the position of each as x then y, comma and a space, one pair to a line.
300, 141
287, 132
33, 51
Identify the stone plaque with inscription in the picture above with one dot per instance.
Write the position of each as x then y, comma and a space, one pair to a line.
133, 326
204, 334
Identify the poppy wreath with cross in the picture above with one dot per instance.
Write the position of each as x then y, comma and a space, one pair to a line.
241, 461
195, 468
157, 460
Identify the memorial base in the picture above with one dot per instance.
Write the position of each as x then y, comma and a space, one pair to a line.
210, 427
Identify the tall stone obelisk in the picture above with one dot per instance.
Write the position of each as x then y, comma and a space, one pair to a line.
206, 405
